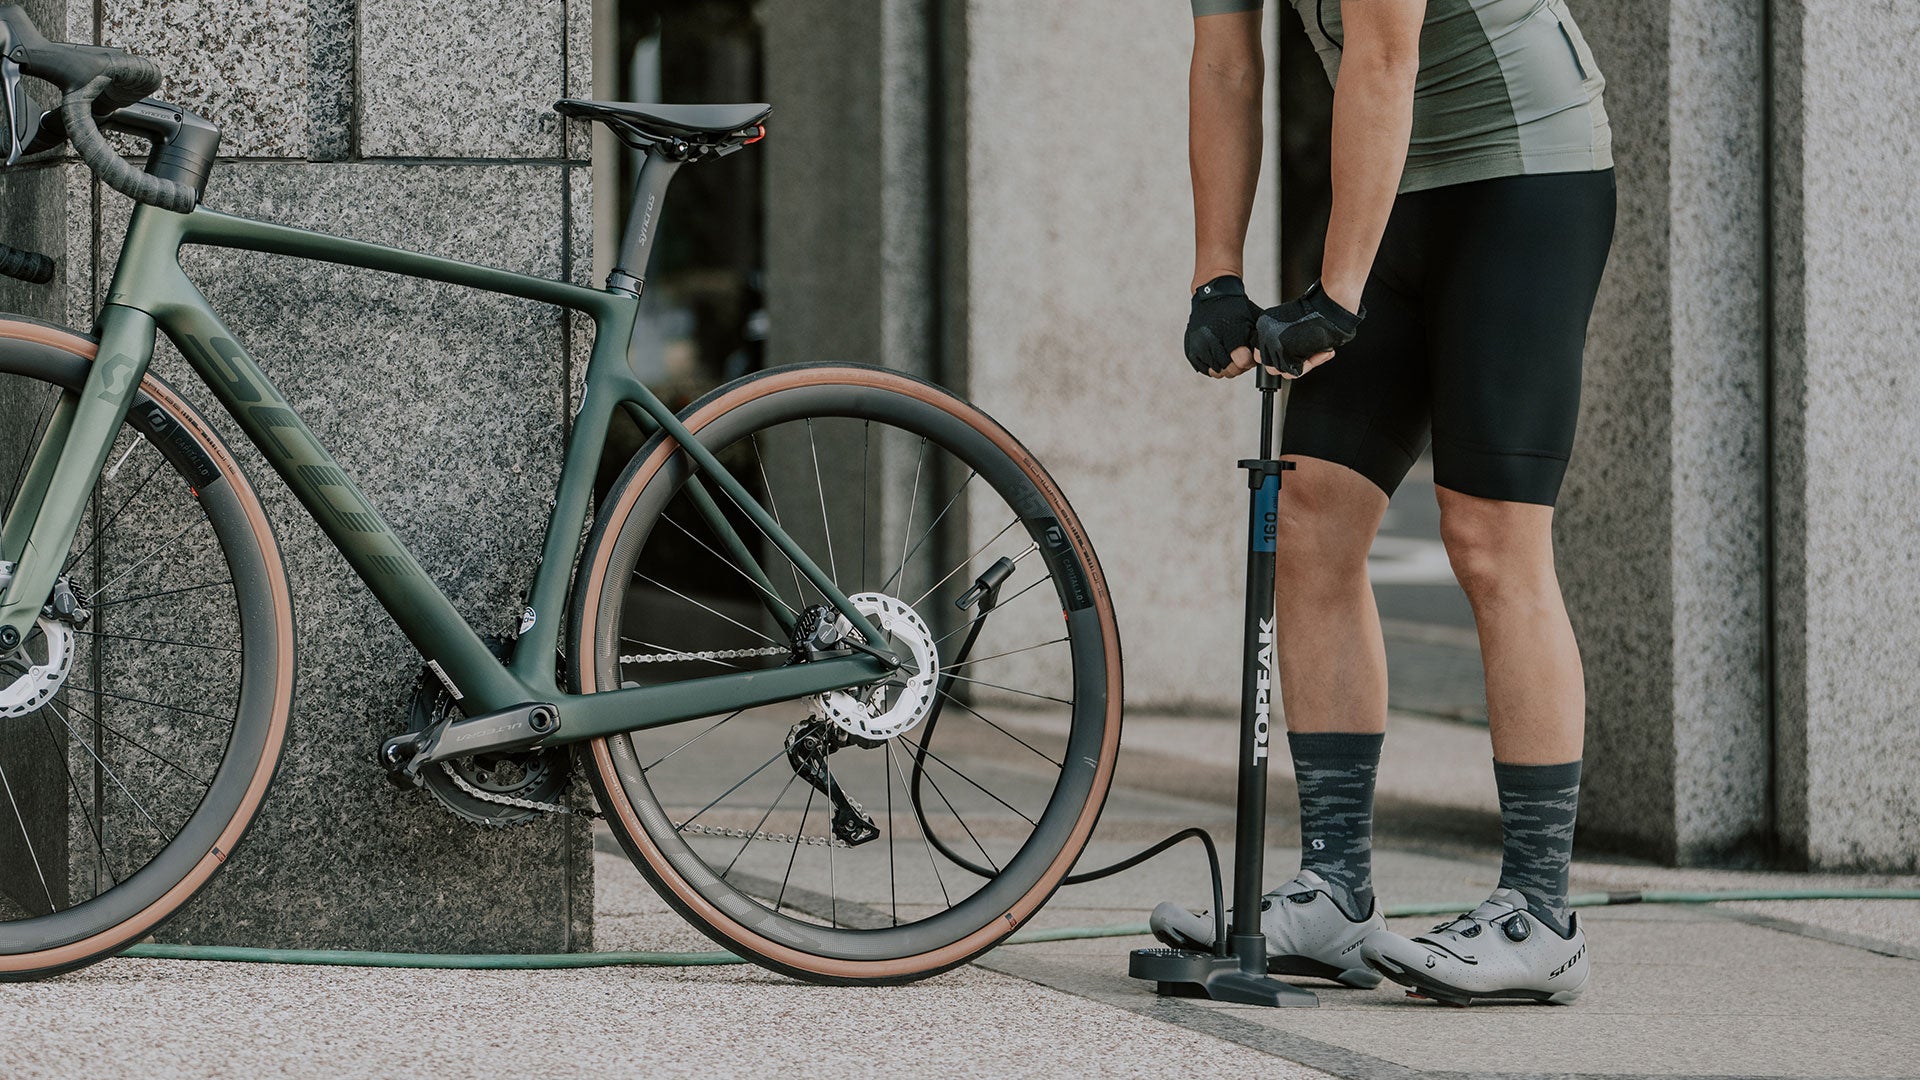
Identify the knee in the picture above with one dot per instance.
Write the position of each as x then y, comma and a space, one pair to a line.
1324, 536
1497, 549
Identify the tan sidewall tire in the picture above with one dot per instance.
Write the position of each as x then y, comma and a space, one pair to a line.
619, 808
104, 944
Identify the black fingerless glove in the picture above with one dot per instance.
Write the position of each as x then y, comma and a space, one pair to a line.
1294, 332
1221, 321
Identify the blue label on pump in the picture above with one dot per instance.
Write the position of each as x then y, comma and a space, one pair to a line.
1266, 514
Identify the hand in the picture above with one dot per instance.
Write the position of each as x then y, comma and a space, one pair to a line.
1299, 335
1219, 341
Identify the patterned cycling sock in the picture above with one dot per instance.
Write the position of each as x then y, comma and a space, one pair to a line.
1537, 808
1335, 770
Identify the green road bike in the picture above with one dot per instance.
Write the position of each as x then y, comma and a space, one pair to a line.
858, 558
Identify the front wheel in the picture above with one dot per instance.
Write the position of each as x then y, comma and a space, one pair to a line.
885, 833
142, 719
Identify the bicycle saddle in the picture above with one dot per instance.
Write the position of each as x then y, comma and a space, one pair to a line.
661, 123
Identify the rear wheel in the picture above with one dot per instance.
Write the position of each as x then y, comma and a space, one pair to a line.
891, 832
136, 742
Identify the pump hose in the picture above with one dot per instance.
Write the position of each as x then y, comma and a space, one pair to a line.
550, 961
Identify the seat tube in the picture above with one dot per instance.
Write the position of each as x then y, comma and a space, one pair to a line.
126, 348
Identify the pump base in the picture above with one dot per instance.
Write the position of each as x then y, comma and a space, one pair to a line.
1183, 973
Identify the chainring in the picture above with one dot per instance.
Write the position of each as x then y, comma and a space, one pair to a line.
539, 775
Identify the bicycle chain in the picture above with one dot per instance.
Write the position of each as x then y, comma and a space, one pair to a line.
514, 801
710, 654
775, 838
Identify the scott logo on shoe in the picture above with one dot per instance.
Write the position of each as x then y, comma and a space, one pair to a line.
1571, 960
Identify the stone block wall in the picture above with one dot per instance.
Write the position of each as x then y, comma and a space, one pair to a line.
431, 129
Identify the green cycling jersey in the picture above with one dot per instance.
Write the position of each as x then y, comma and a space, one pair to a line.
1506, 88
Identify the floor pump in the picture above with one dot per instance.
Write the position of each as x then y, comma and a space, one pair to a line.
1236, 969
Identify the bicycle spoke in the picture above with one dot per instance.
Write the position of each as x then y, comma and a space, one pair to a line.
26, 451
693, 740
833, 890
26, 837
773, 507
795, 853
925, 536
161, 593
143, 701
906, 535
963, 821
74, 559
962, 628
143, 560
820, 484
971, 660
102, 763
908, 788
781, 600
60, 748
964, 563
778, 754
1001, 730
1008, 689
921, 748
123, 736
157, 641
759, 825
705, 608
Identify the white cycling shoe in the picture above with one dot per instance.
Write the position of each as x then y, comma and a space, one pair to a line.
1497, 952
1307, 933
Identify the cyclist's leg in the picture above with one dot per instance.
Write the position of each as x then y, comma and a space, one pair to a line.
1354, 427
1509, 326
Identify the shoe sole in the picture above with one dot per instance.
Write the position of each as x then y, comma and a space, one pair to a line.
1419, 984
1359, 978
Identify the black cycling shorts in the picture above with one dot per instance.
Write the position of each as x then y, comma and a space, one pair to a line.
1477, 315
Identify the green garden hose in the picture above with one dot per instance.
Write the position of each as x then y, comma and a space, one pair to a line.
552, 961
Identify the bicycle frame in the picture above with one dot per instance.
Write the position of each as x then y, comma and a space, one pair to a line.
151, 293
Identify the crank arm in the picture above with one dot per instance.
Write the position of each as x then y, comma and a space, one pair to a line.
510, 729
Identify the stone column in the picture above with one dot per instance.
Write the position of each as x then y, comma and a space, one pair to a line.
1846, 445
1661, 527
427, 128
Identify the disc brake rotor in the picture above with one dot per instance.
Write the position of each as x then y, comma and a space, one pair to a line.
892, 707
44, 676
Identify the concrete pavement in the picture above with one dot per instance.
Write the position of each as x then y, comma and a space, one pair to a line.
1802, 990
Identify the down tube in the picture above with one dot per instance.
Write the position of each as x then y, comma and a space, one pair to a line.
337, 504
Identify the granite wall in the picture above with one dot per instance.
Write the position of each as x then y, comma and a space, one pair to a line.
400, 124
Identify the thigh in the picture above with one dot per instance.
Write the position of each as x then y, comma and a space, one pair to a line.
1367, 408
1511, 290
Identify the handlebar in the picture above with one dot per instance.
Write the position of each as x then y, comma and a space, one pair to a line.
95, 81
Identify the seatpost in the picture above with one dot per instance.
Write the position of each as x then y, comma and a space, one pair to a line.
657, 169
1258, 682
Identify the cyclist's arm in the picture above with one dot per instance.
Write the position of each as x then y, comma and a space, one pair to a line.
1372, 125
1224, 132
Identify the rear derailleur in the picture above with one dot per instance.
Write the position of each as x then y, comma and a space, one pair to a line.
808, 746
